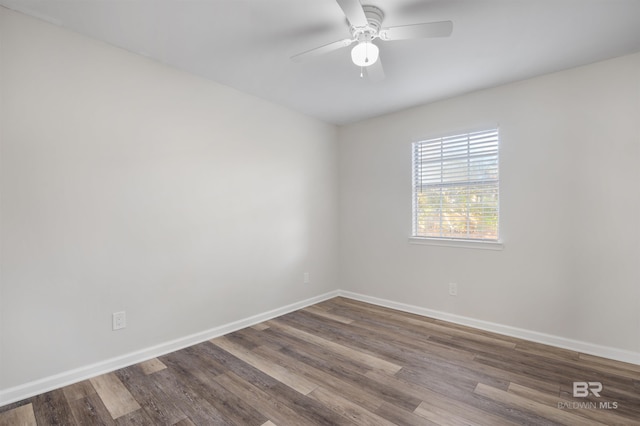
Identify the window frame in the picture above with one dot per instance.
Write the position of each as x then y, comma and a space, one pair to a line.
470, 243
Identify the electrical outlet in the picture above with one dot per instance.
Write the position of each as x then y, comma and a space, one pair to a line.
119, 320
306, 278
453, 289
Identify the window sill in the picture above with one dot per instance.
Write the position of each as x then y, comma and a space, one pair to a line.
468, 244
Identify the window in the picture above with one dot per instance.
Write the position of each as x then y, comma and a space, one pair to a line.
455, 187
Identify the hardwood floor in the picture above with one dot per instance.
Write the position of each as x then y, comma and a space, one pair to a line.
346, 362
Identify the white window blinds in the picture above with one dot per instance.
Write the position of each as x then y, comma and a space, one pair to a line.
455, 187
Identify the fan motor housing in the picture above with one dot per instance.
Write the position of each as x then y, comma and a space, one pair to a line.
374, 16
374, 24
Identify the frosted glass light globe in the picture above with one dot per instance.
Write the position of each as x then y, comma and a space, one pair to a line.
364, 54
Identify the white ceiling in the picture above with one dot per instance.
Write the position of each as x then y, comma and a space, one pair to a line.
246, 44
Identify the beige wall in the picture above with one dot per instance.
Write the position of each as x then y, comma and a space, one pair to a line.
127, 185
570, 200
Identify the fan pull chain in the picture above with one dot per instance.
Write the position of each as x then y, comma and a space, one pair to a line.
361, 72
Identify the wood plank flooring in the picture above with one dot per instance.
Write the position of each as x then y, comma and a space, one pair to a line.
343, 362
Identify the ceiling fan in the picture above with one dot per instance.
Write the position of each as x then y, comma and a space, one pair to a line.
365, 26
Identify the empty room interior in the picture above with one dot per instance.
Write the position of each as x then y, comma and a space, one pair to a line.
291, 212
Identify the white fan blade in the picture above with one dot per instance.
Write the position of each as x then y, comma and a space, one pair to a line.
354, 12
321, 50
375, 72
405, 32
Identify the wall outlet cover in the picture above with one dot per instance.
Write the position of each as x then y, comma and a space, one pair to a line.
453, 289
119, 320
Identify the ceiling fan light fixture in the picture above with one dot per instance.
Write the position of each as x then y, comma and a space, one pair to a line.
364, 54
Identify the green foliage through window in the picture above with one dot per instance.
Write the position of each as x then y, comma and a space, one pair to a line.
456, 187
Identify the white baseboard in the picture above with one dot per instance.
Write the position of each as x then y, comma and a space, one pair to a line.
534, 336
46, 384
